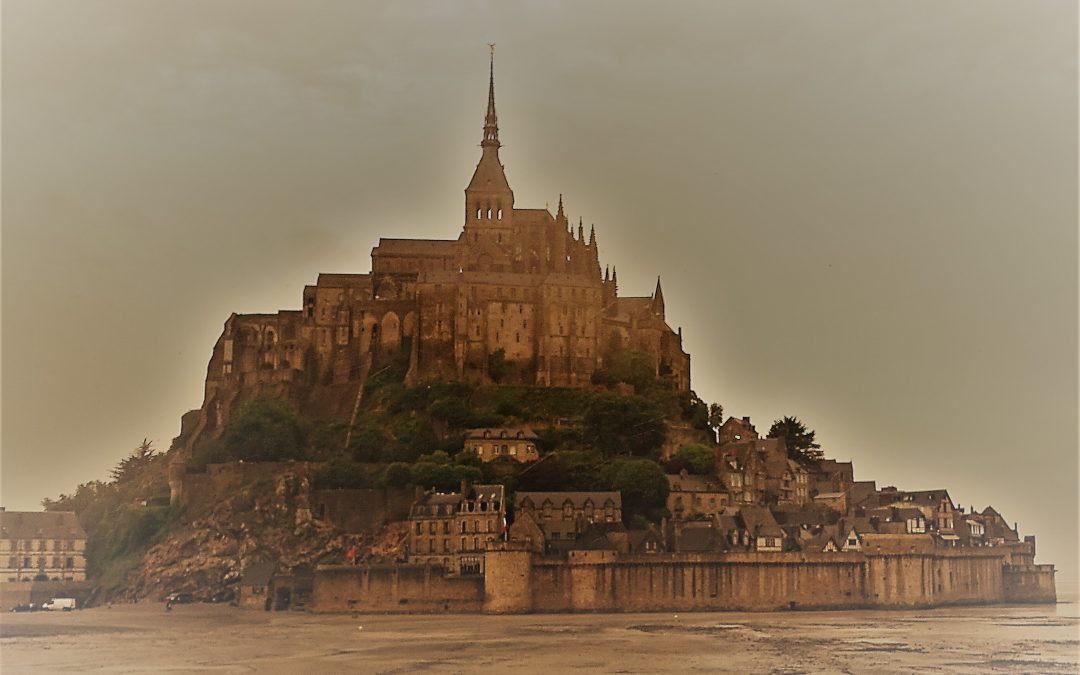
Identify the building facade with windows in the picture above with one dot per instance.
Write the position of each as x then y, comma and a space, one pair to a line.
41, 546
453, 529
492, 443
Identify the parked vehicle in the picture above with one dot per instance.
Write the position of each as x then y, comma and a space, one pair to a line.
59, 604
25, 607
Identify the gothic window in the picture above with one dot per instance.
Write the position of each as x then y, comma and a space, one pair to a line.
499, 215
478, 217
489, 213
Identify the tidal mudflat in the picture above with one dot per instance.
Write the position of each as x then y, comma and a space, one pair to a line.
200, 638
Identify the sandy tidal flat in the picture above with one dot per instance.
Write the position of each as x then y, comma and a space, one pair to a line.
211, 638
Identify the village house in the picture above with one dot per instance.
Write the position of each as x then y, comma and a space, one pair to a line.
453, 529
563, 516
736, 430
692, 496
489, 444
41, 546
765, 533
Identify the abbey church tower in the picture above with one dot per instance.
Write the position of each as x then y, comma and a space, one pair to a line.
517, 297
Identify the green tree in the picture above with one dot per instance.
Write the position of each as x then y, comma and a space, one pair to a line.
369, 444
132, 465
643, 486
697, 458
397, 474
266, 429
716, 417
624, 425
798, 439
341, 474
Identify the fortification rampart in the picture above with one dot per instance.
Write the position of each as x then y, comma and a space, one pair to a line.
605, 581
1029, 583
421, 589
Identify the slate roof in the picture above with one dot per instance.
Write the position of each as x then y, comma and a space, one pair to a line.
759, 521
40, 525
578, 499
511, 433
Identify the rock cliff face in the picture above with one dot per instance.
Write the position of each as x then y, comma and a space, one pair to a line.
262, 517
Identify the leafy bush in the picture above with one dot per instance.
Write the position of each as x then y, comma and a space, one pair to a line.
695, 458
343, 474
265, 430
643, 485
369, 444
624, 425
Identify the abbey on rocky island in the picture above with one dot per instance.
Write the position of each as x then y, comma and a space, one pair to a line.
518, 291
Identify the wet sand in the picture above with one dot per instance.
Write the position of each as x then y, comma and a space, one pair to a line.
210, 638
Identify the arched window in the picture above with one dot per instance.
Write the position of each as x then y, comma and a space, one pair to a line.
499, 215
479, 213
489, 213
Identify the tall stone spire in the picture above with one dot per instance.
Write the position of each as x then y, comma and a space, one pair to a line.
491, 121
658, 300
561, 215
489, 201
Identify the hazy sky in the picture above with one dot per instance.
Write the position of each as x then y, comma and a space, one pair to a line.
864, 213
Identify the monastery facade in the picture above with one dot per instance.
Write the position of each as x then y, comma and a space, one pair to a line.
519, 296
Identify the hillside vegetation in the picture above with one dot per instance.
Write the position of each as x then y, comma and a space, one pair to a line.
607, 437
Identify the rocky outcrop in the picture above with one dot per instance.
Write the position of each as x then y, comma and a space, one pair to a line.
268, 518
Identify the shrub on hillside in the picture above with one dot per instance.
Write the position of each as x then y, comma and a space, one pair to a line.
624, 425
265, 429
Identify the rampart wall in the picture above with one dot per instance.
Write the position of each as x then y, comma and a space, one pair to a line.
603, 581
1029, 583
422, 589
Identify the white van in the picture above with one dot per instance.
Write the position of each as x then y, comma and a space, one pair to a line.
62, 604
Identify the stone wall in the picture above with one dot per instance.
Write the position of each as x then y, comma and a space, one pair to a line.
1029, 583
394, 588
605, 581
944, 577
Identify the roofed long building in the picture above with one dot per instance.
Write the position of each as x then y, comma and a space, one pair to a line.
517, 296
